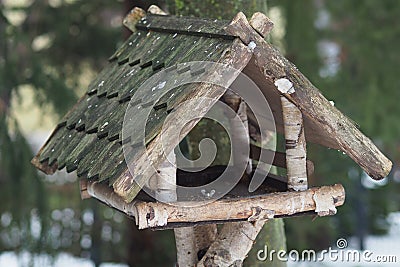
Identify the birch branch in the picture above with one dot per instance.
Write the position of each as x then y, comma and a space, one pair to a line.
166, 192
233, 244
281, 204
295, 146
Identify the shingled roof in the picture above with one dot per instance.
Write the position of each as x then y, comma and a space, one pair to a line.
89, 139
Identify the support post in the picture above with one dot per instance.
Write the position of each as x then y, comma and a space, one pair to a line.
233, 244
185, 237
236, 238
295, 143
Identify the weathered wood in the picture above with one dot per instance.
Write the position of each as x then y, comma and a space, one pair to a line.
83, 189
192, 242
205, 235
238, 237
236, 125
133, 17
185, 246
277, 204
324, 124
189, 26
233, 244
281, 204
166, 192
193, 224
295, 144
279, 158
189, 240
153, 9
166, 180
261, 23
126, 185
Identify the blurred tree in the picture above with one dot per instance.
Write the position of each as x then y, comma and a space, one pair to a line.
369, 61
349, 51
53, 48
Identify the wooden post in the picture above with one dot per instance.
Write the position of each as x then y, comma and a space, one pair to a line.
240, 108
233, 244
185, 237
295, 144
292, 117
166, 192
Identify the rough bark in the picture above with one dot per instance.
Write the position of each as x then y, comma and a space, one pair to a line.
261, 23
193, 242
295, 146
185, 246
279, 159
233, 244
326, 124
272, 237
166, 180
235, 239
277, 204
185, 238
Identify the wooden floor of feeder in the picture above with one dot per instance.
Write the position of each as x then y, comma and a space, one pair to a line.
321, 201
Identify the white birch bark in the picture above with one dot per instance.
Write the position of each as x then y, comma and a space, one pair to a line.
189, 240
295, 146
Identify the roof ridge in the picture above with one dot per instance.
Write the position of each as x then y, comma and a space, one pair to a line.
185, 25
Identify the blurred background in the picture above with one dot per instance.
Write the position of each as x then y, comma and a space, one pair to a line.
51, 49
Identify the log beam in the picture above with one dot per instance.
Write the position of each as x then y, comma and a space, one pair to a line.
341, 131
280, 204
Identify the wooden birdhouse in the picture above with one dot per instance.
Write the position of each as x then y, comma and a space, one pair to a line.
113, 165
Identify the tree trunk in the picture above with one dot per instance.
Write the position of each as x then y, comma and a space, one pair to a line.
272, 236
219, 9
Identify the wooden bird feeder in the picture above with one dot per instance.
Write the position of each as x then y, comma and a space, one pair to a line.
89, 139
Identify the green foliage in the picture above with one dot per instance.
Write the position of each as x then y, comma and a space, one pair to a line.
364, 87
48, 50
216, 8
